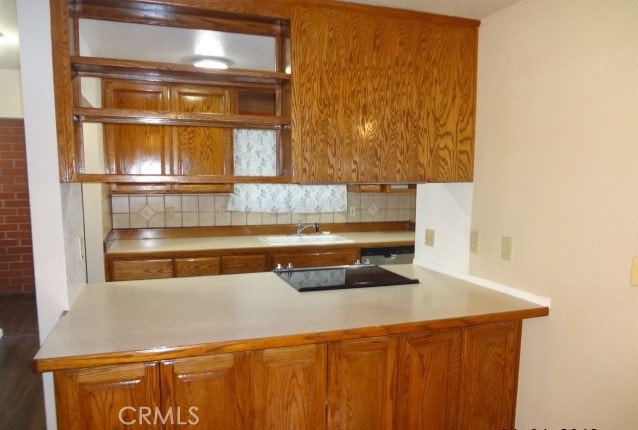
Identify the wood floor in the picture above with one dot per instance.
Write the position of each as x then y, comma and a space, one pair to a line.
21, 400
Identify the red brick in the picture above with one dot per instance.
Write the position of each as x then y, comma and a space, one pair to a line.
21, 265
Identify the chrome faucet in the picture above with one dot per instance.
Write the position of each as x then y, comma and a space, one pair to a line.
301, 226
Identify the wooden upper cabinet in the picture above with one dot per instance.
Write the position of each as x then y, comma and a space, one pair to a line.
137, 149
381, 98
201, 150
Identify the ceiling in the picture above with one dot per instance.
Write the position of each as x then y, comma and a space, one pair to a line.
476, 9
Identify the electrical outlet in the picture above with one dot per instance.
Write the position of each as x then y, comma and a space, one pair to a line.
352, 211
429, 237
634, 272
506, 248
474, 242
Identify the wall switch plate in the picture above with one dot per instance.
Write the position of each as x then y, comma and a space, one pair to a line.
506, 248
81, 247
634, 272
352, 211
222, 213
429, 237
474, 242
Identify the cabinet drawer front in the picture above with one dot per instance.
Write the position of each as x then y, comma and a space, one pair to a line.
244, 263
317, 259
200, 266
129, 270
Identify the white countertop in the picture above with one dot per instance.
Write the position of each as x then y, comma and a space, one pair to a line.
239, 242
152, 318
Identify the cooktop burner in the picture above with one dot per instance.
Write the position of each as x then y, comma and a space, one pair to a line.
341, 277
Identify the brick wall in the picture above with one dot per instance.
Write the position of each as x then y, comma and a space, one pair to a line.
16, 254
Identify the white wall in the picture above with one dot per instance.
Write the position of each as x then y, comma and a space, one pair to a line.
11, 99
446, 209
54, 208
556, 169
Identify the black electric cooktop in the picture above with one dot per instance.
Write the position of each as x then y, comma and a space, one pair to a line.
341, 277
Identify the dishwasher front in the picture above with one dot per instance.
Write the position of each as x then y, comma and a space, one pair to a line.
388, 255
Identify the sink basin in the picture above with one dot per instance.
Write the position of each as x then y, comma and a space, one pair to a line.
305, 239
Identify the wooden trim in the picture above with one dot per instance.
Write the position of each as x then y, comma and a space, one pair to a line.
169, 179
252, 230
130, 116
182, 18
170, 188
63, 92
273, 8
180, 73
74, 362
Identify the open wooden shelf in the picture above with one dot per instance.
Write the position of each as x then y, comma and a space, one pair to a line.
170, 72
129, 116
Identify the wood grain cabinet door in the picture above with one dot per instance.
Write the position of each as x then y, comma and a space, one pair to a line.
244, 263
381, 98
137, 149
361, 384
489, 376
289, 388
334, 257
198, 266
129, 270
122, 396
209, 393
201, 150
428, 380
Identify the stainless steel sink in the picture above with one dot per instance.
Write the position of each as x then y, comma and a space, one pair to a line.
305, 239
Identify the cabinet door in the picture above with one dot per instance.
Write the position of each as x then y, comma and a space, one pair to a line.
361, 384
129, 270
200, 266
209, 392
317, 258
289, 388
489, 371
244, 263
381, 98
108, 397
133, 148
201, 150
428, 380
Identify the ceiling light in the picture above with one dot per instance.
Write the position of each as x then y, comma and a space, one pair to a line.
211, 62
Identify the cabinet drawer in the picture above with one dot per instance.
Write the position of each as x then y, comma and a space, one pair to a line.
200, 266
244, 263
317, 259
129, 270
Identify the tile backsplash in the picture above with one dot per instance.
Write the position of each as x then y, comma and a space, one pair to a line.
205, 210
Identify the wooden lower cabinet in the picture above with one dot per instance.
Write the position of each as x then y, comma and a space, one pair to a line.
108, 397
212, 391
244, 263
489, 376
199, 266
428, 380
462, 378
335, 257
289, 388
130, 270
361, 387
